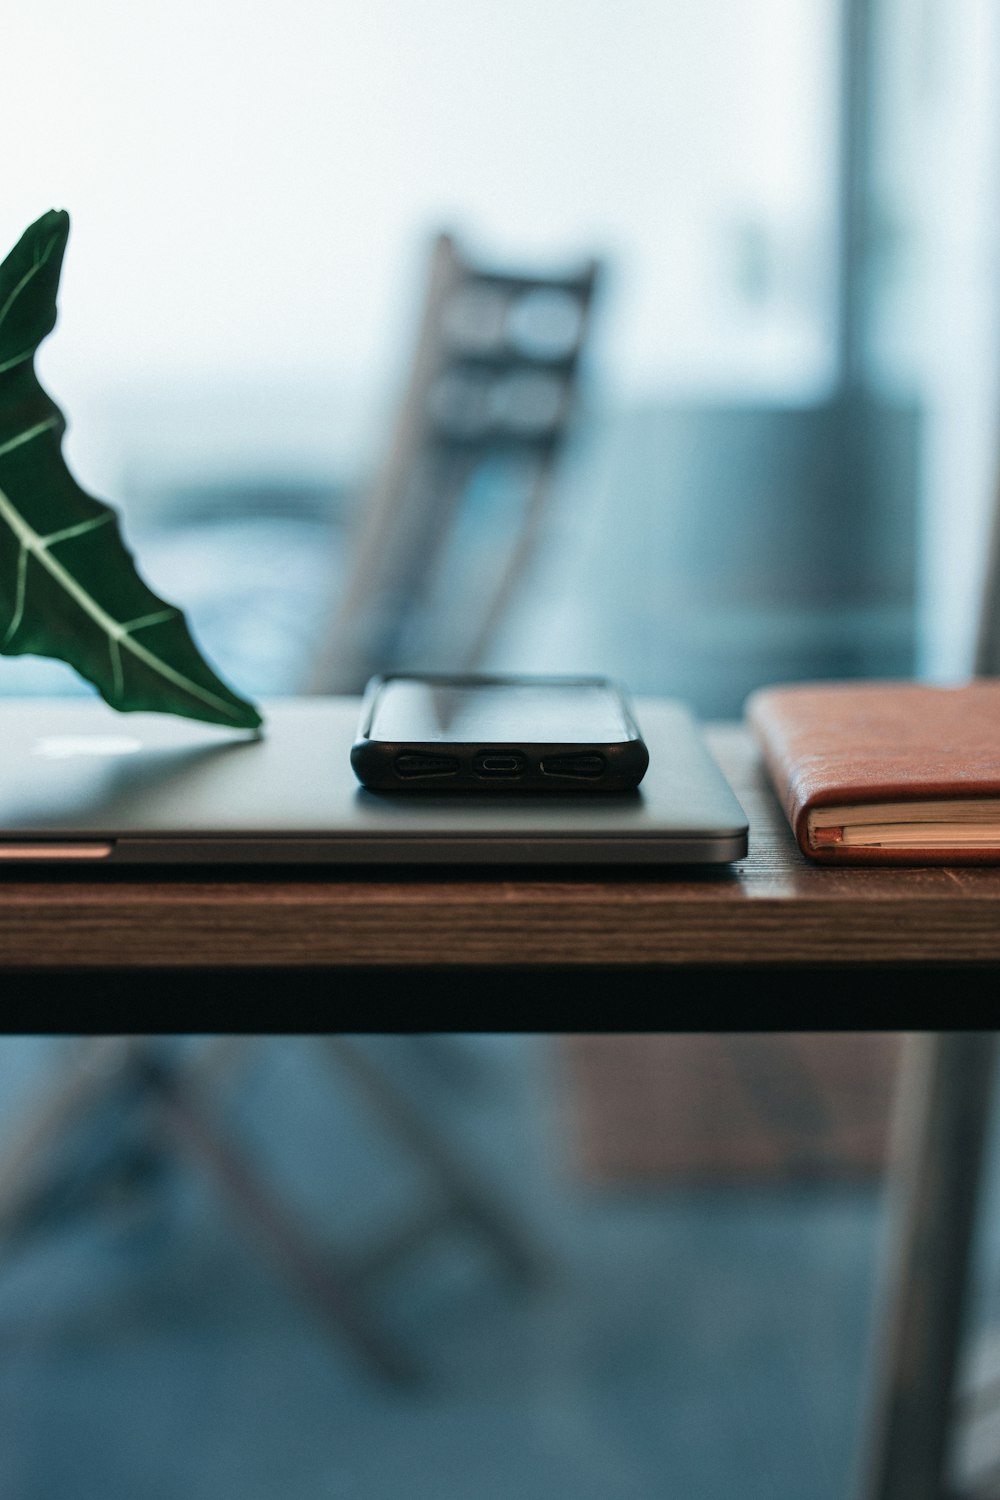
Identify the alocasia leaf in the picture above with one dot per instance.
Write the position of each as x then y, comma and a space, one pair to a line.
68, 584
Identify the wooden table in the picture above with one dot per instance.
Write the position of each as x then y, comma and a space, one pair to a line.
771, 911
773, 943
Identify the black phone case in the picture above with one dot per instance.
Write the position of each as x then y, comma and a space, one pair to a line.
500, 766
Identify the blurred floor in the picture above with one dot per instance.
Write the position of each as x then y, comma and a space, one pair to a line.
698, 1342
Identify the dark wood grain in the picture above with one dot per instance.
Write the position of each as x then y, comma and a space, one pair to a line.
772, 907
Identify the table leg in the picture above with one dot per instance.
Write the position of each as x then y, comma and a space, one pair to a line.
943, 1107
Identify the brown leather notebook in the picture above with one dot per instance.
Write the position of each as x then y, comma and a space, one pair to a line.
885, 772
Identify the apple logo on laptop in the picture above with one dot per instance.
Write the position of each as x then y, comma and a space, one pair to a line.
62, 746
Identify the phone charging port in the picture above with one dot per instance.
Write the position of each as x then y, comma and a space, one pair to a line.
499, 763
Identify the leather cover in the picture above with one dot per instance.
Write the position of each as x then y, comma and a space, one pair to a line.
828, 744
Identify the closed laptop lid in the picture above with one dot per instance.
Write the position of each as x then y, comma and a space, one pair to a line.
79, 782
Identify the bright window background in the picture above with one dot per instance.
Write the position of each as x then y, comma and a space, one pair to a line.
249, 190
252, 195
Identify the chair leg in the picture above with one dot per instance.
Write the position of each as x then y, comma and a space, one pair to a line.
466, 1196
84, 1080
306, 1263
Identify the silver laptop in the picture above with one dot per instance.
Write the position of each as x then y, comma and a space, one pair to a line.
82, 785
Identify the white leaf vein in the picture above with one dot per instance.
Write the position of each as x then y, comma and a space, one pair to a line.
120, 634
16, 359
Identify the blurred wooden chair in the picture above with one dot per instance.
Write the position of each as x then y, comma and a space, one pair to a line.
443, 536
122, 1111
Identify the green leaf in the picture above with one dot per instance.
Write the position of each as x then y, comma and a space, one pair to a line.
68, 584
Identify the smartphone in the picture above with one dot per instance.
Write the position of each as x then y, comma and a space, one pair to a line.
497, 734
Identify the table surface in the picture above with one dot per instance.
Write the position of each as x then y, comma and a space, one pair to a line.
771, 908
